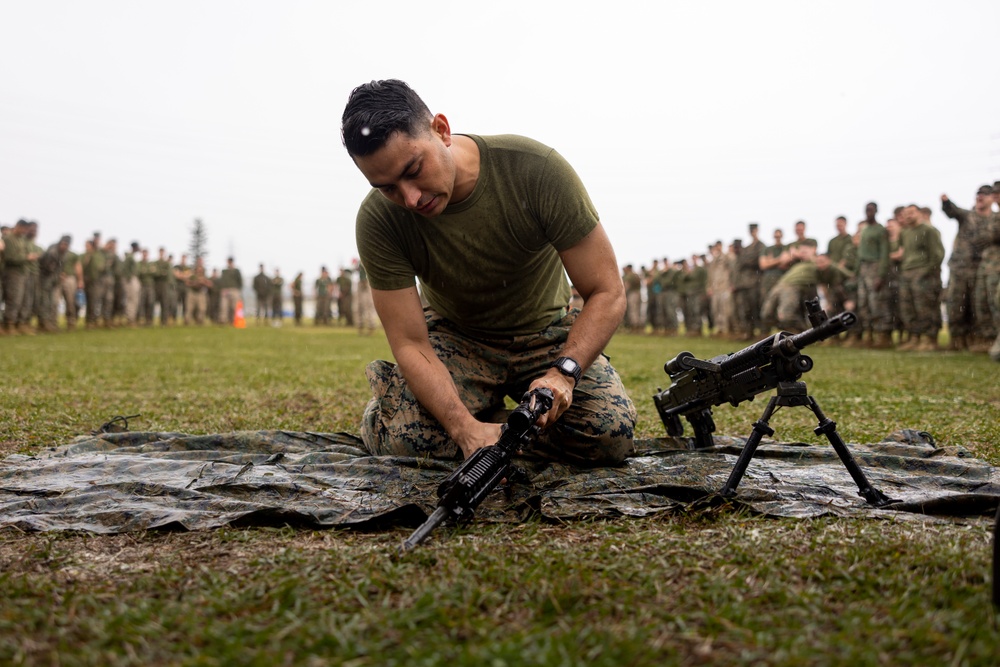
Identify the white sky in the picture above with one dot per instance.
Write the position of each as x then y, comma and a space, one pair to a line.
685, 120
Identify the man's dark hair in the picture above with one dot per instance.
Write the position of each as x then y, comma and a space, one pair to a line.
377, 110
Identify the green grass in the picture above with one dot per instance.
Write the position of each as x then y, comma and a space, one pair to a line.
709, 587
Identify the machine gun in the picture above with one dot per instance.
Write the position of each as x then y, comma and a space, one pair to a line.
774, 362
464, 489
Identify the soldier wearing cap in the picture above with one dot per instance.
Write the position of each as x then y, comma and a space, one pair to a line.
970, 322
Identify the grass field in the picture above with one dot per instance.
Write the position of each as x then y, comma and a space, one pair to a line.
708, 587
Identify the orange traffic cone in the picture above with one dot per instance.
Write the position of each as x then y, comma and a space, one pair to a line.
238, 320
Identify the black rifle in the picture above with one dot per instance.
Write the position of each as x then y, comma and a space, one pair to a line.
464, 489
774, 362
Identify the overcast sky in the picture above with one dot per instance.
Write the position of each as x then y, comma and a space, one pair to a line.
686, 121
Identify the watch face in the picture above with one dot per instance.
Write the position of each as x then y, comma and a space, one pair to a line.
568, 365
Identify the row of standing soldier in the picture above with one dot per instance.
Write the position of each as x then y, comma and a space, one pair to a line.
131, 289
890, 276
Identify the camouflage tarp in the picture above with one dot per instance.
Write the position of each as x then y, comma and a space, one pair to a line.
116, 482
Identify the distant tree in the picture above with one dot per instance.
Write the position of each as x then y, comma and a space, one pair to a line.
199, 241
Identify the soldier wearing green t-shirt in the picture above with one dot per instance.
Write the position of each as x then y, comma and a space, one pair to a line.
345, 298
836, 250
490, 226
920, 280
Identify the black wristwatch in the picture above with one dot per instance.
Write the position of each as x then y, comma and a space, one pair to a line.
568, 366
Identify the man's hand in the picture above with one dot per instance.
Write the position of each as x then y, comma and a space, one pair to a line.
561, 387
476, 436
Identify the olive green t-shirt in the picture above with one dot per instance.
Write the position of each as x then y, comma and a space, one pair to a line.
490, 263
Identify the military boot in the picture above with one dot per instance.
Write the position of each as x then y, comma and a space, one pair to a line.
882, 340
911, 344
926, 344
979, 344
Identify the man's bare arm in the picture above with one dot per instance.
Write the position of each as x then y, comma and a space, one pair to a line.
593, 270
427, 377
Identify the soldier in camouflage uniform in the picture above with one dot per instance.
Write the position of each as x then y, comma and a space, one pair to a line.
230, 291
297, 296
493, 330
262, 292
966, 325
32, 296
324, 294
920, 281
668, 297
112, 269
131, 285
653, 303
633, 299
720, 290
49, 272
872, 274
988, 274
746, 286
147, 292
18, 254
894, 278
773, 264
687, 299
836, 249
93, 269
345, 298
277, 304
995, 348
785, 302
70, 281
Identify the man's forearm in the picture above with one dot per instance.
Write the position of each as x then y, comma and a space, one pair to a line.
434, 388
600, 317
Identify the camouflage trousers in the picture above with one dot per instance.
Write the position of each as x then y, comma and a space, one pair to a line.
995, 349
66, 292
596, 430
746, 310
961, 301
669, 303
691, 308
633, 310
920, 301
48, 300
987, 279
784, 308
722, 311
874, 313
15, 281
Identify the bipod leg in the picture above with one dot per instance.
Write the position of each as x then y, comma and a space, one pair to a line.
760, 429
828, 427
